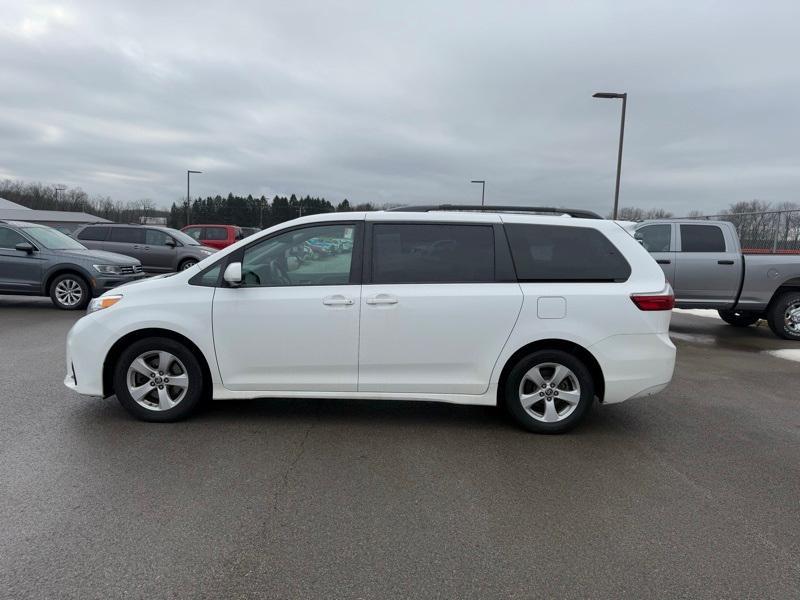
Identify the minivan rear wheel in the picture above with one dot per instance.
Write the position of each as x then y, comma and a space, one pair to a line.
158, 379
549, 391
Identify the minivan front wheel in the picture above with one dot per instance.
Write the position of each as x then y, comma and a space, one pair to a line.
187, 264
158, 379
70, 292
549, 391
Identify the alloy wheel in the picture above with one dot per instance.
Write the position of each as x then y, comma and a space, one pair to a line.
157, 380
791, 318
549, 392
69, 292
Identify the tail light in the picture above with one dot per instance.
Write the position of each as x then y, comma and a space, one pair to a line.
662, 301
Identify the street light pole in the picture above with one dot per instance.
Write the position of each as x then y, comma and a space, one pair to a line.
624, 97
188, 197
483, 188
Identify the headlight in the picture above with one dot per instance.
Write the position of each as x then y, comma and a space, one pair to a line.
108, 269
103, 302
206, 252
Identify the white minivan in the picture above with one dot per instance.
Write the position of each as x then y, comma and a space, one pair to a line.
540, 313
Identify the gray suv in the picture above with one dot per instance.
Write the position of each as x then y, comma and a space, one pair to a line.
40, 261
160, 249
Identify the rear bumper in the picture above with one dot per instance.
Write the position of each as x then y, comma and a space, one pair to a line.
635, 366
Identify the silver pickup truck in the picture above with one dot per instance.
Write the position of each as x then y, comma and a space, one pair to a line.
704, 263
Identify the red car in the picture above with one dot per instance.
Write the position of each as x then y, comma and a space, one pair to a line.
216, 236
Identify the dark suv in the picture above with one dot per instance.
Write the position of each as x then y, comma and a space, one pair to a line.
40, 261
160, 249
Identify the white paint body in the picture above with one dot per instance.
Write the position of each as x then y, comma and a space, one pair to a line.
442, 342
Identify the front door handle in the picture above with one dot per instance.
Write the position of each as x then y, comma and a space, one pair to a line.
337, 301
382, 299
724, 262
664, 261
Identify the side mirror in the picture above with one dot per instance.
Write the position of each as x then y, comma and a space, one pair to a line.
25, 247
171, 243
233, 274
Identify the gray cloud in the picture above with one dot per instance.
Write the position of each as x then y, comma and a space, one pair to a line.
405, 102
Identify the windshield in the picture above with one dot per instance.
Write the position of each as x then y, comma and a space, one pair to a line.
183, 238
52, 239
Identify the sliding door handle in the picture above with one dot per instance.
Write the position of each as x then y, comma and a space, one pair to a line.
724, 262
664, 261
381, 299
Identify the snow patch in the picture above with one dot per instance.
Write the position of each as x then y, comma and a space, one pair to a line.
785, 353
698, 312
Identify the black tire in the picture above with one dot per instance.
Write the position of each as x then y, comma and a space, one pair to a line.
68, 286
544, 357
186, 263
777, 316
739, 318
186, 360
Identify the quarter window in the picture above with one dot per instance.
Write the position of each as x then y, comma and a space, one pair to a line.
320, 255
654, 238
432, 253
10, 238
702, 238
557, 253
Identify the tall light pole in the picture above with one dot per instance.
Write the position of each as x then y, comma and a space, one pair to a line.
483, 188
624, 97
188, 197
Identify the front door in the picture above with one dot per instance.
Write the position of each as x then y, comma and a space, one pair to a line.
160, 250
293, 323
433, 318
20, 272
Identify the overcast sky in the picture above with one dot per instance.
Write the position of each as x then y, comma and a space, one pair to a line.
405, 101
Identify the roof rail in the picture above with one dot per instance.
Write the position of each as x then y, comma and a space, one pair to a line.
572, 212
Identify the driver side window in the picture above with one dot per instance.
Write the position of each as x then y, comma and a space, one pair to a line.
320, 255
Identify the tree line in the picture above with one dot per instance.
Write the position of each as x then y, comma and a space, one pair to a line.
756, 221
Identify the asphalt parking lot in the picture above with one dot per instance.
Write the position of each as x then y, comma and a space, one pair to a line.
693, 493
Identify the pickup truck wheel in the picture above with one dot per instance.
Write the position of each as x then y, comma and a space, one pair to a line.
739, 318
549, 391
783, 316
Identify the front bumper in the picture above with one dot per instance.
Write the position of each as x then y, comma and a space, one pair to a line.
87, 340
104, 283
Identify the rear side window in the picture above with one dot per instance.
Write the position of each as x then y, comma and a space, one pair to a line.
556, 253
431, 253
130, 235
654, 238
702, 238
93, 234
216, 233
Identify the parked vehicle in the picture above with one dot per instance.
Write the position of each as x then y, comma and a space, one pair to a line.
215, 236
160, 249
36, 260
248, 231
704, 264
503, 309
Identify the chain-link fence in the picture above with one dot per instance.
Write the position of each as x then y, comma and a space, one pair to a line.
768, 232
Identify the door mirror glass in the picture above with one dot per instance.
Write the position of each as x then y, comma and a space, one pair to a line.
233, 274
24, 247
